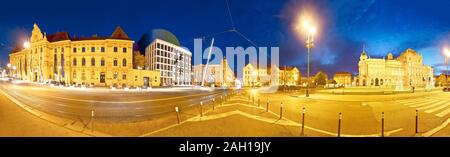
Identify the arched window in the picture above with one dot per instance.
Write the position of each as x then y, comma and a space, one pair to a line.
92, 61
74, 61
115, 62
83, 62
124, 62
102, 62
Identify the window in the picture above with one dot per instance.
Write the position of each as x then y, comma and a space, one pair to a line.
92, 49
74, 50
124, 76
124, 62
124, 50
158, 45
75, 62
102, 49
115, 49
83, 49
102, 62
115, 75
93, 62
115, 62
62, 49
83, 62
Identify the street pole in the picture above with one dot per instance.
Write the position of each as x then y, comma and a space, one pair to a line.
339, 124
92, 120
201, 108
382, 124
214, 100
303, 120
267, 106
281, 110
417, 121
178, 115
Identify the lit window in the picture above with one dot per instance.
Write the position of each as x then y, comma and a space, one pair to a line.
93, 62
124, 76
115, 75
102, 62
124, 62
115, 62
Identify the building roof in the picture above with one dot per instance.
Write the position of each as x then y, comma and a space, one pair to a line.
59, 36
286, 67
343, 73
119, 34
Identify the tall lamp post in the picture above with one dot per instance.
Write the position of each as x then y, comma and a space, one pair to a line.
311, 31
447, 56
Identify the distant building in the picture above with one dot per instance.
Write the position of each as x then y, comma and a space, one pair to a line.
260, 76
97, 61
288, 76
442, 80
406, 70
173, 61
215, 74
343, 78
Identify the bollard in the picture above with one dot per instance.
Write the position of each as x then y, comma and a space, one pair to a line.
303, 120
253, 99
201, 108
339, 124
214, 100
259, 103
382, 124
221, 101
281, 110
92, 120
417, 121
178, 115
267, 106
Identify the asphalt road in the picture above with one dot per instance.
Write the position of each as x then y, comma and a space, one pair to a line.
108, 105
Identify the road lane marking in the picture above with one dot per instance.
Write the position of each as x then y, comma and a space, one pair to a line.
436, 129
431, 106
425, 103
443, 113
437, 108
416, 102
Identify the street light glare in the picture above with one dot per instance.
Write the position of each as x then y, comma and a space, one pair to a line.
26, 44
446, 52
312, 30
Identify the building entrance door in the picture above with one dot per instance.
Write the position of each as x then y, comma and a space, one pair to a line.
146, 81
102, 77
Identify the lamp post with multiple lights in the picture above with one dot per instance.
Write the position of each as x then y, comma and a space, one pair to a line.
311, 31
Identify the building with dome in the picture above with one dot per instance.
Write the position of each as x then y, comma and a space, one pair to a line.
95, 60
407, 70
163, 53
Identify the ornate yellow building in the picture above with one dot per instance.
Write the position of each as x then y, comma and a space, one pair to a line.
288, 76
98, 61
343, 78
407, 70
217, 74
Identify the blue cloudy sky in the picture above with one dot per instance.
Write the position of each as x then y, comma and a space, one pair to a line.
345, 25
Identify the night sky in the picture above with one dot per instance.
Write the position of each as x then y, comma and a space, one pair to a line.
344, 25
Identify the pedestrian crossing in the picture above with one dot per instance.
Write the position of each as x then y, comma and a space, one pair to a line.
433, 105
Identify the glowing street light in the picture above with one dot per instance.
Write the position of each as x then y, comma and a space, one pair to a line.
26, 44
311, 30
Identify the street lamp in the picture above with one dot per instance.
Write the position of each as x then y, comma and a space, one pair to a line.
255, 74
447, 56
311, 31
26, 44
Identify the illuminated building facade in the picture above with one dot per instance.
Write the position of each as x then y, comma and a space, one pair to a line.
254, 76
407, 70
343, 78
97, 61
173, 61
216, 74
288, 76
